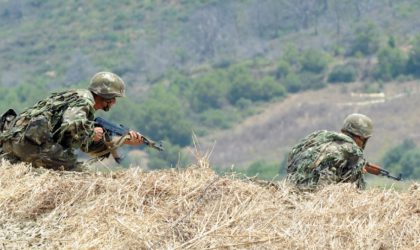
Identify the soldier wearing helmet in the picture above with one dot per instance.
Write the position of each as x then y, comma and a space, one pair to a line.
327, 157
47, 133
359, 127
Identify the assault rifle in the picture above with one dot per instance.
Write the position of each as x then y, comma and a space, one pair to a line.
112, 129
376, 170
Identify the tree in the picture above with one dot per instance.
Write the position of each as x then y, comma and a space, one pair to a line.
413, 64
367, 40
391, 63
410, 164
343, 73
404, 159
208, 92
314, 61
163, 118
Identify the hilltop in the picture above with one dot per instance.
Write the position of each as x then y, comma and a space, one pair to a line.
193, 208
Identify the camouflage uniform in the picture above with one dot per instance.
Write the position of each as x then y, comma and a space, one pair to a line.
326, 157
47, 133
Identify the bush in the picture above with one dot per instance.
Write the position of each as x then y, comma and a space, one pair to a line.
263, 169
292, 83
404, 159
367, 40
263, 90
391, 63
208, 93
413, 64
269, 88
162, 117
218, 119
343, 73
314, 61
283, 69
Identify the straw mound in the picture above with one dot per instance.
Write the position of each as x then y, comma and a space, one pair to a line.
195, 208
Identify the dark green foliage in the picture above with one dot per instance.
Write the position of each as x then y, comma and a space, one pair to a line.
343, 73
263, 169
256, 90
215, 118
314, 61
208, 93
404, 159
245, 86
293, 83
366, 41
394, 155
22, 96
283, 69
413, 64
410, 164
163, 118
391, 63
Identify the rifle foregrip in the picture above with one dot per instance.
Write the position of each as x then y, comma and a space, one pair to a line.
371, 169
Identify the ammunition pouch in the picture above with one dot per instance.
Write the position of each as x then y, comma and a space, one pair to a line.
38, 130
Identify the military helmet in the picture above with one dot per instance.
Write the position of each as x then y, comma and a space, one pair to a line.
107, 85
358, 124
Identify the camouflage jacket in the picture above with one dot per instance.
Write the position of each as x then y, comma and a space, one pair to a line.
69, 115
326, 157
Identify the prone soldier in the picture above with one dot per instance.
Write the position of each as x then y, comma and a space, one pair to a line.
48, 133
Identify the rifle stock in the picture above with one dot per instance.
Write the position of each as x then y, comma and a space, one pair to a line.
376, 170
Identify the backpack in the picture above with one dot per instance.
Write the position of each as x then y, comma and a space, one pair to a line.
47, 112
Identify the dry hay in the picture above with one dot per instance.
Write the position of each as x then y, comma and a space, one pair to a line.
194, 208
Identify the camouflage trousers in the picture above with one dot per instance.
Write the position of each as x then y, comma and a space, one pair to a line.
47, 155
34, 144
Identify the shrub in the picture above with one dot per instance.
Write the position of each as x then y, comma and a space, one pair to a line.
314, 61
162, 117
403, 158
292, 83
283, 69
343, 73
263, 169
218, 119
367, 40
208, 93
391, 63
263, 90
413, 64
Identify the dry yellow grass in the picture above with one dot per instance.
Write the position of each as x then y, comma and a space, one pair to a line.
194, 208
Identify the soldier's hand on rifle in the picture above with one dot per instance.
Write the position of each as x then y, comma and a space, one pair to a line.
98, 134
135, 138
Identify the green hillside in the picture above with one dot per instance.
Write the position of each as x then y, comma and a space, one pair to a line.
203, 66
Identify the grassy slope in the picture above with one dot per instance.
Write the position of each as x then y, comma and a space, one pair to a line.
196, 209
270, 134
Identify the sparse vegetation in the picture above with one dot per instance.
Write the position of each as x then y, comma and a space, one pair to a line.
189, 64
